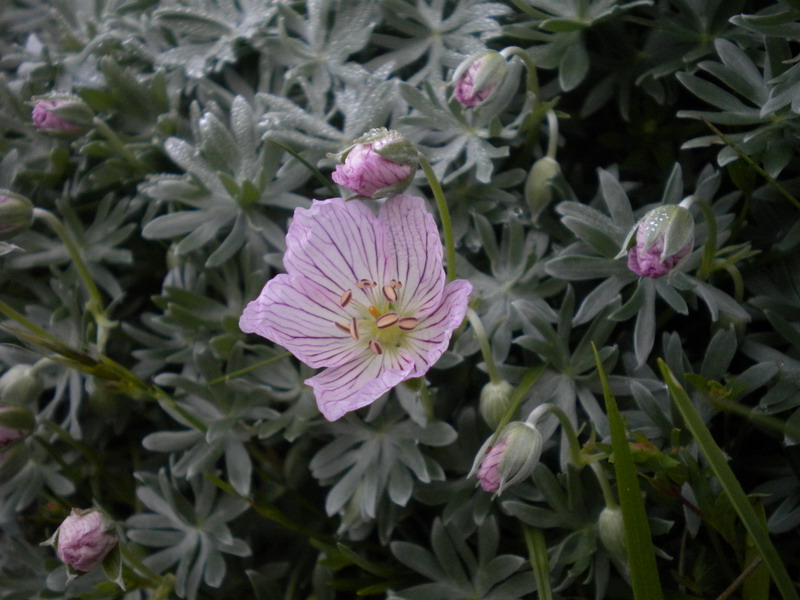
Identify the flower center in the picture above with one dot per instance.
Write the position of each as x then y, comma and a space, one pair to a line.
377, 322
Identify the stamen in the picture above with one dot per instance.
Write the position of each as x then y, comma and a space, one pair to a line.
354, 329
345, 298
386, 320
366, 284
390, 294
395, 284
343, 327
373, 311
375, 347
408, 323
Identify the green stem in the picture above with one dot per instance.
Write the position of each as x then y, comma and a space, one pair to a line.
552, 130
314, 170
248, 369
118, 145
532, 81
444, 215
770, 179
95, 304
710, 248
427, 401
605, 487
572, 437
531, 377
537, 553
486, 350
738, 282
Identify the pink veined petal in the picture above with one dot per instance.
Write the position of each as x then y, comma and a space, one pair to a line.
430, 338
301, 316
350, 386
414, 254
336, 243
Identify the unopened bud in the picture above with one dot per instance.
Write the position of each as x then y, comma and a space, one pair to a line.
379, 164
539, 185
611, 528
16, 214
15, 425
511, 459
84, 539
19, 386
60, 113
478, 76
495, 402
663, 237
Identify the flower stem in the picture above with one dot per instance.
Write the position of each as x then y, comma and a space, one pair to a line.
426, 400
249, 368
605, 487
552, 131
572, 437
531, 377
444, 214
486, 350
532, 82
537, 554
95, 304
710, 248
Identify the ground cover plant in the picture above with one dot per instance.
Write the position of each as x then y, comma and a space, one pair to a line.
405, 299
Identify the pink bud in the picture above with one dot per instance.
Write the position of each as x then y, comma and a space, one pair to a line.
489, 471
380, 164
84, 539
664, 236
15, 424
46, 120
478, 77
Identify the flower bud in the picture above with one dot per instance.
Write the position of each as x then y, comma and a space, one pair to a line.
495, 401
478, 77
380, 163
611, 528
19, 386
15, 425
539, 185
84, 539
16, 214
511, 459
664, 236
61, 114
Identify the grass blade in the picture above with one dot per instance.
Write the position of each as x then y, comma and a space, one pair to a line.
730, 485
641, 554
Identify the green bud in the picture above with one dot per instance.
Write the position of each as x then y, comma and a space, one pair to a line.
16, 214
15, 425
495, 401
19, 386
539, 185
12, 461
611, 529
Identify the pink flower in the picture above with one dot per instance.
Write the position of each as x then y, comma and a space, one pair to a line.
664, 236
363, 295
46, 120
84, 539
381, 163
489, 471
478, 77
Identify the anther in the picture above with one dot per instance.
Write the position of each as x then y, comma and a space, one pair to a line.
408, 323
395, 284
345, 298
366, 284
390, 294
375, 347
354, 329
343, 327
373, 311
386, 320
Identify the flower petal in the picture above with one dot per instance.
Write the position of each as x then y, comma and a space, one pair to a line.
413, 254
336, 243
301, 316
350, 386
430, 338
